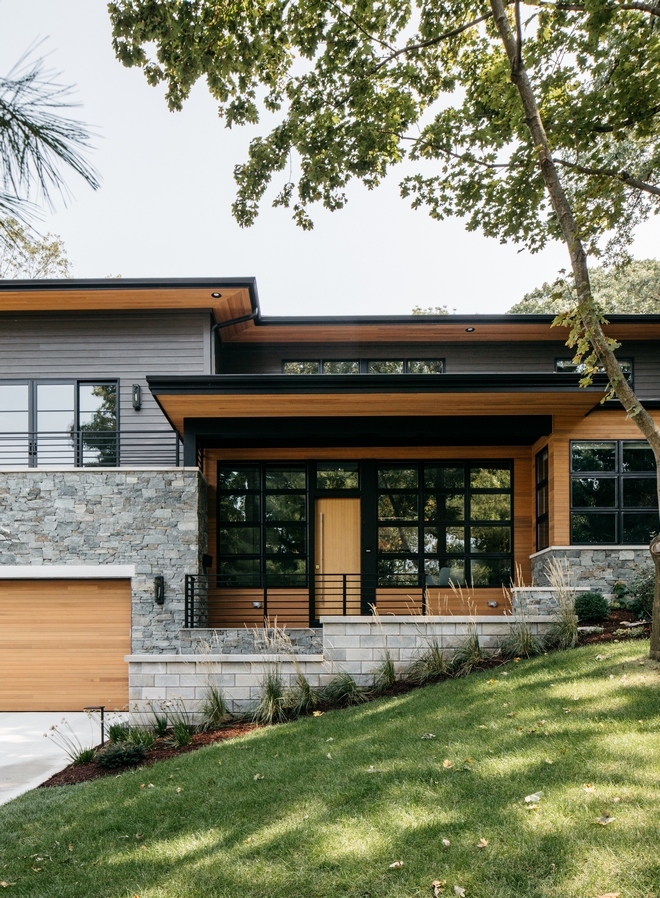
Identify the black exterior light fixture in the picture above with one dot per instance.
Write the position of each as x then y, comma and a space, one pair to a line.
469, 330
159, 589
136, 397
216, 295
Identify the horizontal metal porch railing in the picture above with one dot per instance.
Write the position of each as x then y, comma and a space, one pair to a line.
228, 600
91, 449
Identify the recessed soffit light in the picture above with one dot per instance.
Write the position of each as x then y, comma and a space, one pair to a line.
469, 330
216, 295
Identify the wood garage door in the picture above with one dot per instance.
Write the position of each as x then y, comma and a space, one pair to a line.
62, 644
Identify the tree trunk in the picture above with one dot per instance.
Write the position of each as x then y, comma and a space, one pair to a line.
655, 630
589, 317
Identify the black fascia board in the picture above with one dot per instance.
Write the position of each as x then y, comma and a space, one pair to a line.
48, 284
374, 431
421, 320
253, 384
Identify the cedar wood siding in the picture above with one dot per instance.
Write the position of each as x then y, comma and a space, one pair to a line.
124, 345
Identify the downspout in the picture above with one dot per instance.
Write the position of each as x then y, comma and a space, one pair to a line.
220, 325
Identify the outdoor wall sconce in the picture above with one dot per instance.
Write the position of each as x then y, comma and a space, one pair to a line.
159, 589
136, 397
207, 560
493, 604
256, 604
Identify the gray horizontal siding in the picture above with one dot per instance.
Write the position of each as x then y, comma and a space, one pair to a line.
462, 358
123, 345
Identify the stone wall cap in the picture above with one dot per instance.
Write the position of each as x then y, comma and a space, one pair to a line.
418, 619
57, 470
215, 659
588, 549
66, 571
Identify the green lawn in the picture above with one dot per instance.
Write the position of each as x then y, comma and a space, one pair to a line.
272, 815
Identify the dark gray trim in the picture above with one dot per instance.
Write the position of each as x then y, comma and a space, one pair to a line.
254, 384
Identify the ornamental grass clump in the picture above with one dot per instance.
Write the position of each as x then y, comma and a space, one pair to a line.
385, 673
469, 654
343, 690
118, 732
430, 666
302, 698
520, 642
142, 736
272, 707
213, 709
63, 735
563, 632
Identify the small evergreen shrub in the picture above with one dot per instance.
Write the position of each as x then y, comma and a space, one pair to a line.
592, 605
641, 594
121, 754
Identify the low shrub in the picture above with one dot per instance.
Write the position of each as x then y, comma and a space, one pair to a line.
121, 754
520, 642
641, 594
592, 605
431, 665
343, 689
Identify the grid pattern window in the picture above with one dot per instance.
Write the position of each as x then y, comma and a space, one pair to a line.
614, 498
342, 475
542, 501
445, 523
568, 366
357, 366
65, 423
262, 525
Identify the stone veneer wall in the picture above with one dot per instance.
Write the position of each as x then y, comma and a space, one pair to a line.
251, 641
593, 567
353, 644
153, 519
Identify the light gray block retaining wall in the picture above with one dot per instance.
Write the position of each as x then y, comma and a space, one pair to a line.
353, 644
593, 567
153, 519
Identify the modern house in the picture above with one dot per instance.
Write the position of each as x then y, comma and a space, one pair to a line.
176, 468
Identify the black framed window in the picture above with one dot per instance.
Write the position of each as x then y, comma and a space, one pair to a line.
362, 366
614, 497
568, 366
445, 522
67, 423
262, 524
542, 501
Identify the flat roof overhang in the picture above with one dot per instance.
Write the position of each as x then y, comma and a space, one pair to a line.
281, 396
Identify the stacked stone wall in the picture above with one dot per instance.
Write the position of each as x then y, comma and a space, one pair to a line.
152, 519
593, 567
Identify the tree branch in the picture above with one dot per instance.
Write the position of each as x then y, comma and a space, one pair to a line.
611, 173
580, 7
360, 28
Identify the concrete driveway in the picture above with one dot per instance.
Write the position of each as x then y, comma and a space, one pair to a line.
26, 758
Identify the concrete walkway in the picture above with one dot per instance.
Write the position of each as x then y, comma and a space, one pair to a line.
26, 758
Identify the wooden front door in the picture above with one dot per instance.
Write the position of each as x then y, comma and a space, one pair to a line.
337, 556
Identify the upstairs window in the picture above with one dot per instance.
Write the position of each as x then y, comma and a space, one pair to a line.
362, 366
568, 366
614, 498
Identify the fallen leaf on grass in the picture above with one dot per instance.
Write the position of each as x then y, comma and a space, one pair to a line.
588, 788
143, 785
482, 843
491, 681
438, 886
446, 843
616, 799
318, 713
143, 847
70, 847
604, 820
428, 736
151, 785
609, 895
511, 714
548, 761
37, 869
329, 756
460, 891
447, 763
330, 739
396, 864
257, 776
5, 885
535, 796
179, 789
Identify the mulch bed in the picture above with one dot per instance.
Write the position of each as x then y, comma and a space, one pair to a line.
82, 773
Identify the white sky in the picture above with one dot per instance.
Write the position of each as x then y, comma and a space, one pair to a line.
163, 209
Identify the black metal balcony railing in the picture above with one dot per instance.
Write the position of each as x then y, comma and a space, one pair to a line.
91, 449
232, 600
